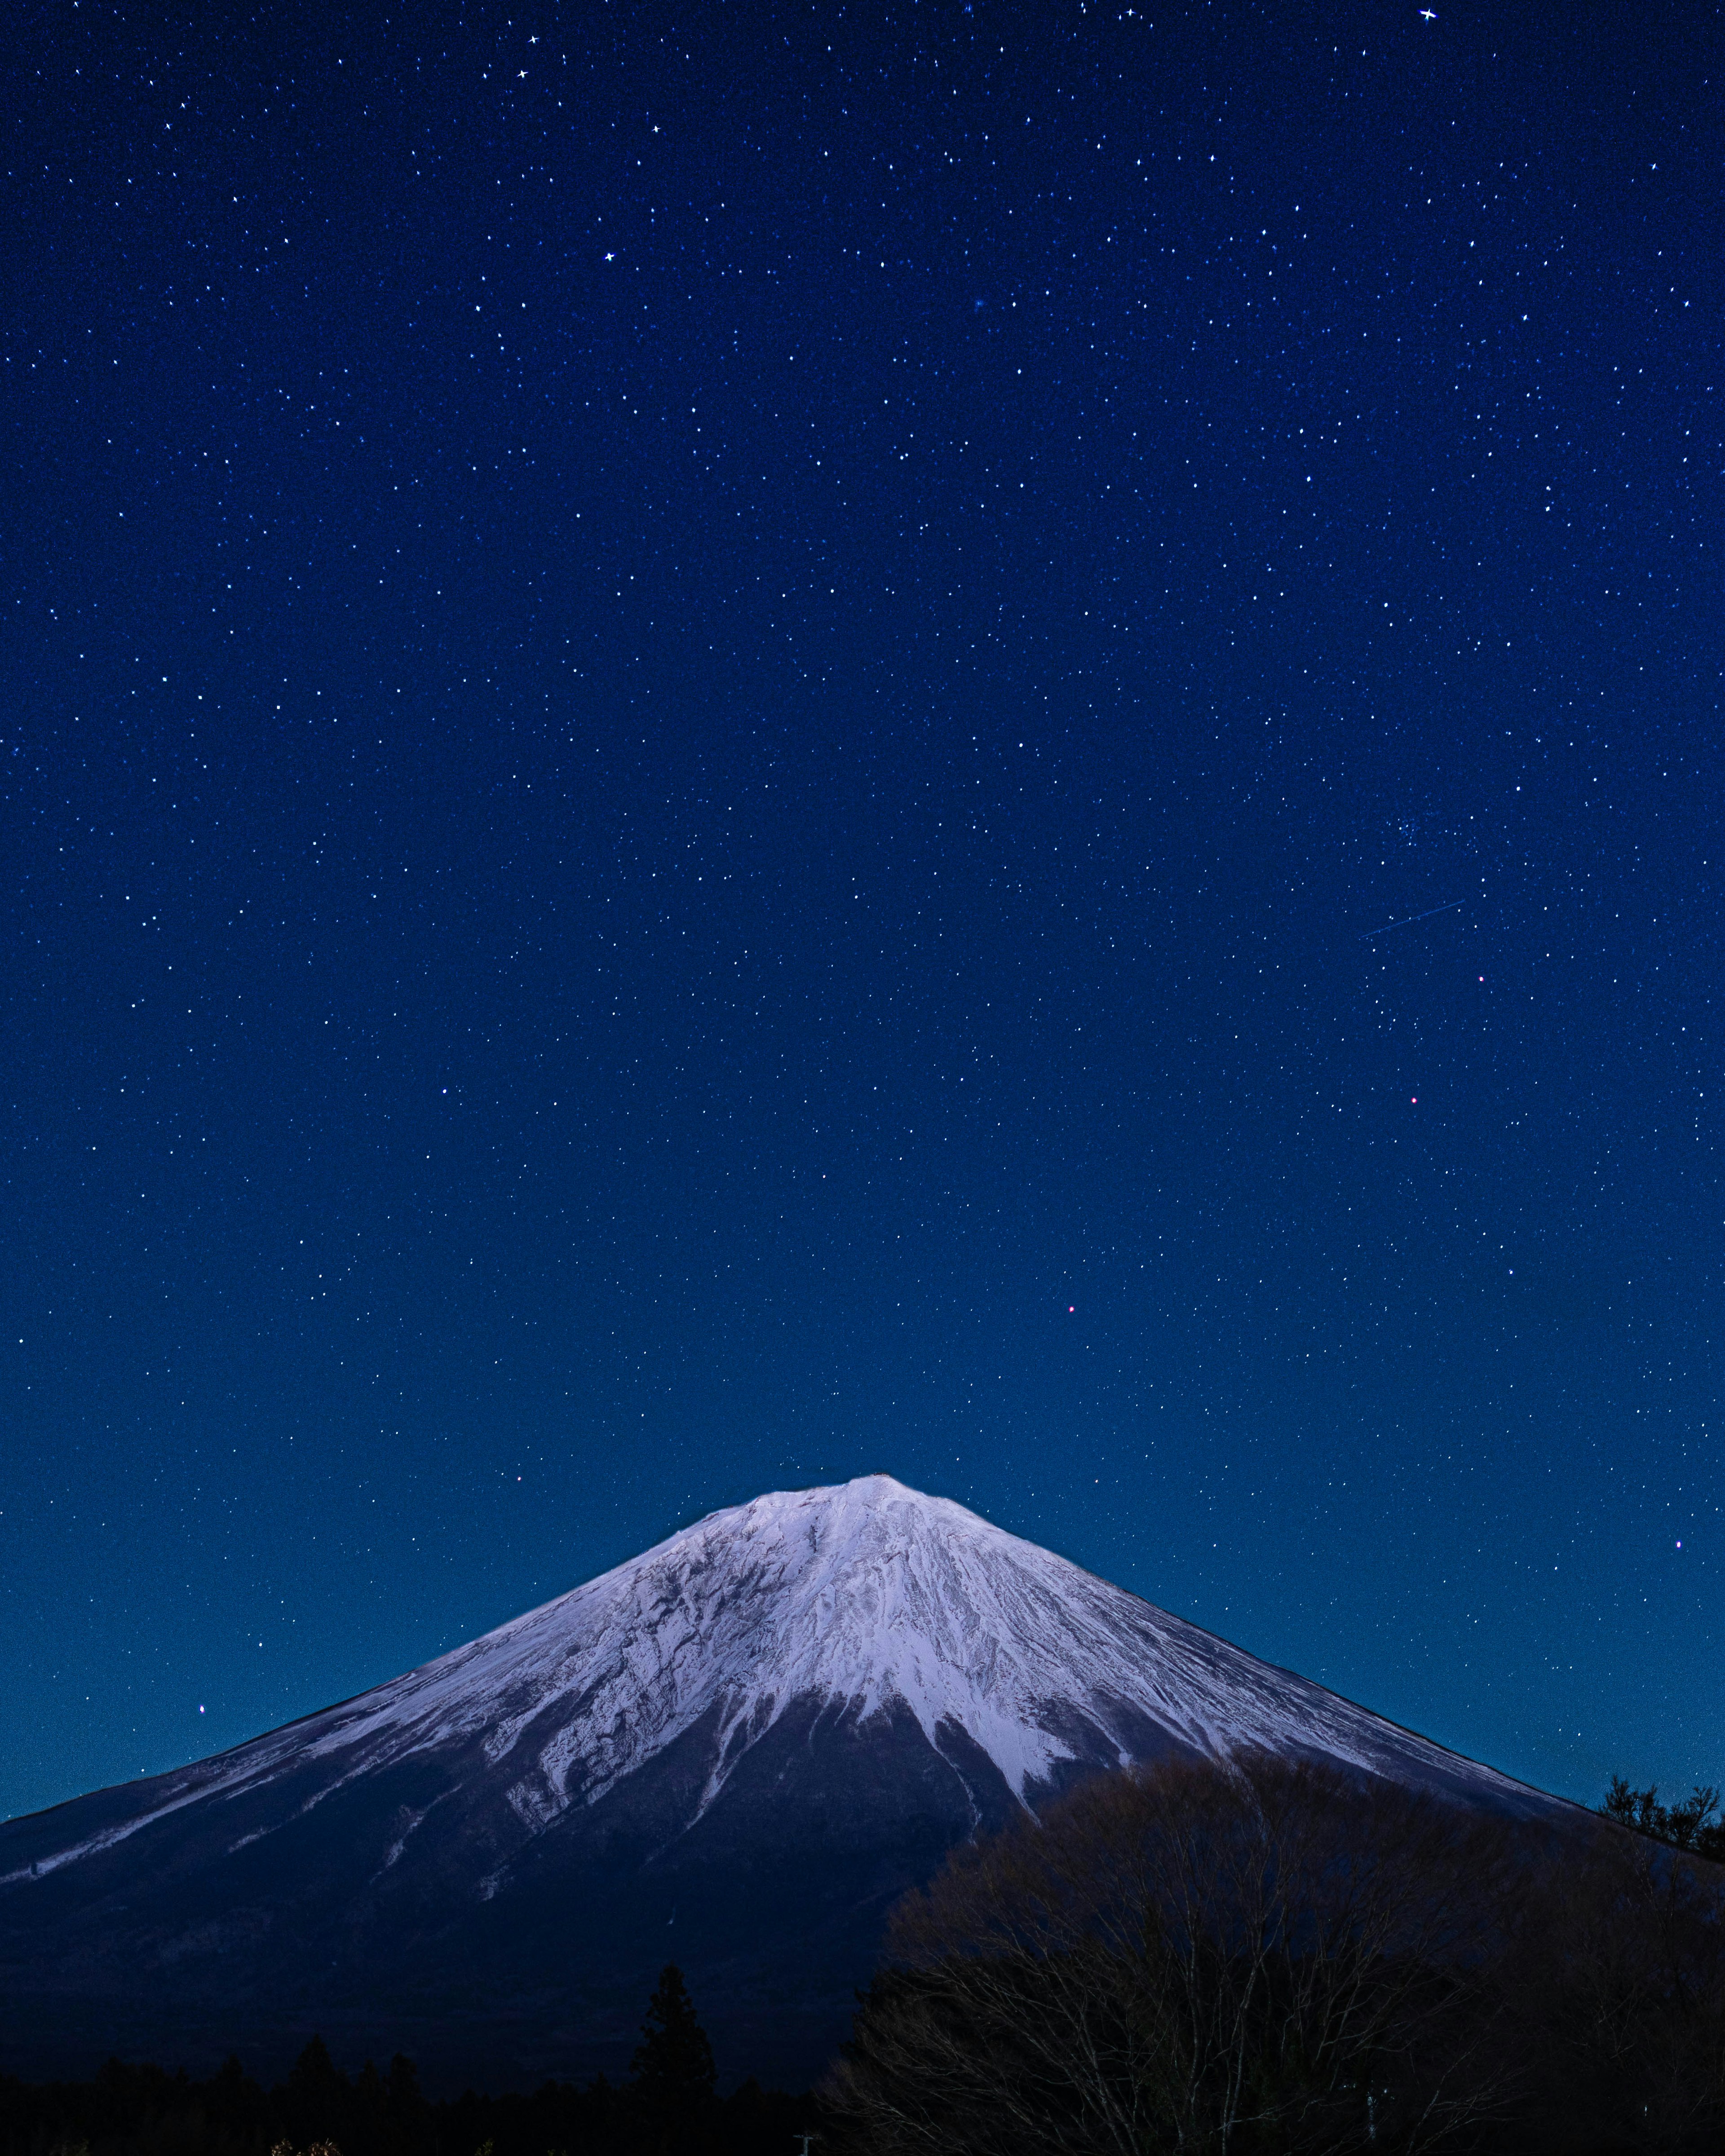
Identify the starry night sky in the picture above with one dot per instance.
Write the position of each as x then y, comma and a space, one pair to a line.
711, 718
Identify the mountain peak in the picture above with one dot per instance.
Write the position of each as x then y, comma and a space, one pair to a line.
866, 1597
862, 1497
759, 1731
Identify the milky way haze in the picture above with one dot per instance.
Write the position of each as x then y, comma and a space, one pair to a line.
742, 744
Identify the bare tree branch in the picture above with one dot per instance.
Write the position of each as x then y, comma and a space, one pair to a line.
1204, 1958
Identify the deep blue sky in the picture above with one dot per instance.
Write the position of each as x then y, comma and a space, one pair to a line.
705, 713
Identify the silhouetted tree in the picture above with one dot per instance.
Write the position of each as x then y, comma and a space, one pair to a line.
1694, 1825
317, 2102
1204, 1957
671, 2075
1619, 1979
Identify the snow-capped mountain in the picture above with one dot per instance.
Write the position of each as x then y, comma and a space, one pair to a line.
734, 1751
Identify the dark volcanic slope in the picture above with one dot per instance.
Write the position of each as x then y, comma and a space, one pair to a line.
734, 1751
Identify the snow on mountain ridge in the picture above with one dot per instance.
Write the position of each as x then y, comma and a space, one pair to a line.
865, 1595
862, 1595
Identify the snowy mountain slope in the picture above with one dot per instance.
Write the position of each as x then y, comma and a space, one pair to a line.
825, 1686
859, 1595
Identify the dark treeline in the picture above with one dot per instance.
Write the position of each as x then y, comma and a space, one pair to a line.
668, 2106
1253, 1957
1694, 1824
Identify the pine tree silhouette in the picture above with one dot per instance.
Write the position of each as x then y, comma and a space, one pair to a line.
317, 2097
671, 2074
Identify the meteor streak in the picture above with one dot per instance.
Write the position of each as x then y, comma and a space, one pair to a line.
1449, 907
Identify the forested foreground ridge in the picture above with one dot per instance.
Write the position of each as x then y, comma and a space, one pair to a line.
1263, 1958
667, 2107
1251, 1957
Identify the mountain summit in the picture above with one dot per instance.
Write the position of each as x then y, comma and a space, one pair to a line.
735, 1750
